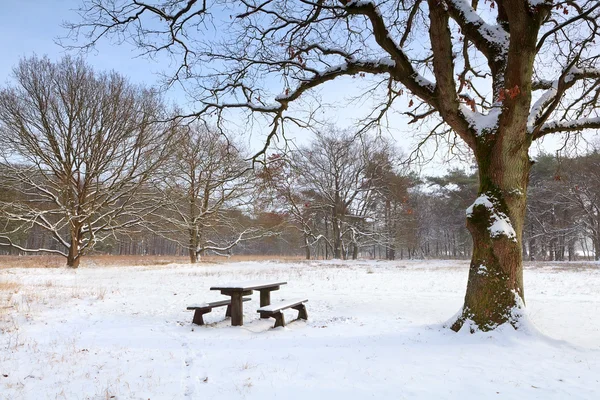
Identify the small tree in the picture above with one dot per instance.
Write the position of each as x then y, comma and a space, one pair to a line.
79, 147
280, 185
584, 195
332, 173
205, 177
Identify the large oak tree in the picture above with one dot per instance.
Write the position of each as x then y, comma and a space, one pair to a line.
498, 74
78, 147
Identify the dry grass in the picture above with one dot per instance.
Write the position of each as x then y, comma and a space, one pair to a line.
52, 261
6, 291
42, 261
218, 260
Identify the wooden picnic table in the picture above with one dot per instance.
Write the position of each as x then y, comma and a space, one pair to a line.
239, 289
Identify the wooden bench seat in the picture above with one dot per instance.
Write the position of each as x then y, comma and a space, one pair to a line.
274, 310
205, 308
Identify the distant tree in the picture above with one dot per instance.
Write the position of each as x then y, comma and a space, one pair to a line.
390, 198
79, 148
280, 180
204, 179
584, 191
551, 228
450, 195
333, 177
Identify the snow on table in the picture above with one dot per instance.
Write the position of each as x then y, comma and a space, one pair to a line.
248, 285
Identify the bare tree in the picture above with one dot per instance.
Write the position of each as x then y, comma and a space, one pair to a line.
205, 178
584, 196
498, 74
79, 147
280, 185
333, 176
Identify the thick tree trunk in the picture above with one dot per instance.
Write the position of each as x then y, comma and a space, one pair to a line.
495, 221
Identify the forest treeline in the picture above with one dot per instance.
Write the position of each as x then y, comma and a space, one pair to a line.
93, 164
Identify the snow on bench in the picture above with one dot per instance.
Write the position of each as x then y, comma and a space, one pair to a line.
274, 310
205, 308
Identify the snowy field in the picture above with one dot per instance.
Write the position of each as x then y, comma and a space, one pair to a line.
374, 331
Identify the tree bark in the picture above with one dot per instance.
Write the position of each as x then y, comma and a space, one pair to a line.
193, 247
73, 256
337, 239
306, 248
495, 286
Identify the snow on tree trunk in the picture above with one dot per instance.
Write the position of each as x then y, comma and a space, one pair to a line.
73, 256
495, 220
193, 245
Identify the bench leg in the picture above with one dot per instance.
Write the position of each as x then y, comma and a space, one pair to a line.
228, 311
279, 319
265, 300
198, 319
301, 311
265, 297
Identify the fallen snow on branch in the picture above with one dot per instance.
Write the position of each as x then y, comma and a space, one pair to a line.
482, 123
540, 105
535, 3
577, 124
494, 34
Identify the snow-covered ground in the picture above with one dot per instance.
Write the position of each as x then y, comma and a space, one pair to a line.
374, 331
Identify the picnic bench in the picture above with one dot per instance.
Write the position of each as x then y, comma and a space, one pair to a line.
205, 308
237, 291
274, 311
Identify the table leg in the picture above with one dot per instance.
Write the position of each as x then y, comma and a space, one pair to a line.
237, 311
265, 300
265, 297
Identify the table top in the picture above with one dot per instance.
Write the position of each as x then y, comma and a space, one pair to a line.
248, 285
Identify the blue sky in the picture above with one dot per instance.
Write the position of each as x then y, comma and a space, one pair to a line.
31, 26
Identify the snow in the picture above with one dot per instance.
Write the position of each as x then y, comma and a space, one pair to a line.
283, 304
500, 225
575, 71
571, 125
481, 123
249, 284
424, 82
482, 200
374, 331
535, 3
539, 106
494, 34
